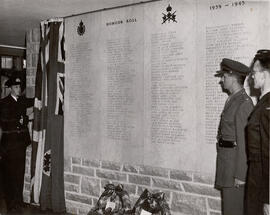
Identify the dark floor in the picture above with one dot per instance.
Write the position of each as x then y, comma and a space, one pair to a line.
27, 209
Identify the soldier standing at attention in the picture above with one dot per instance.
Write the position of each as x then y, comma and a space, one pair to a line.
15, 139
258, 139
231, 164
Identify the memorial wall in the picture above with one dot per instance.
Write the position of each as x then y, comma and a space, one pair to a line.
140, 85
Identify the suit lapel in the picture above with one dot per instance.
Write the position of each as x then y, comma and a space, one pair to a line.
11, 100
261, 101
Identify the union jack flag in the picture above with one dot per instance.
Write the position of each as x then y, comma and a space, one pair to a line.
60, 94
47, 147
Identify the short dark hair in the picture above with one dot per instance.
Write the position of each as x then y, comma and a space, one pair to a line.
263, 56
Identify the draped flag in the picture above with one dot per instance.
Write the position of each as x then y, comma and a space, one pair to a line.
60, 94
47, 148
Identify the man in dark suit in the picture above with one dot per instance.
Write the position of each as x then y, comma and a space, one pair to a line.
15, 139
231, 153
2, 202
258, 139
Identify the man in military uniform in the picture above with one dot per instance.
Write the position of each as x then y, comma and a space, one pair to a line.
15, 139
258, 138
231, 153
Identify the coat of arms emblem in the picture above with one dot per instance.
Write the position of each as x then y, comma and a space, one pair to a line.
81, 28
169, 16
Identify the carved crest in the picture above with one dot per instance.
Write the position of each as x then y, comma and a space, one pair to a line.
169, 16
81, 28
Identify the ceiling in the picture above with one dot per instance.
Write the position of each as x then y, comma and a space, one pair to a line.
18, 16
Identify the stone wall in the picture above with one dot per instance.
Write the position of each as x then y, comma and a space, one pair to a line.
186, 192
32, 50
27, 176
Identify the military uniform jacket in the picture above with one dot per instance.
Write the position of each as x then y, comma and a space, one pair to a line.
14, 122
258, 140
232, 162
